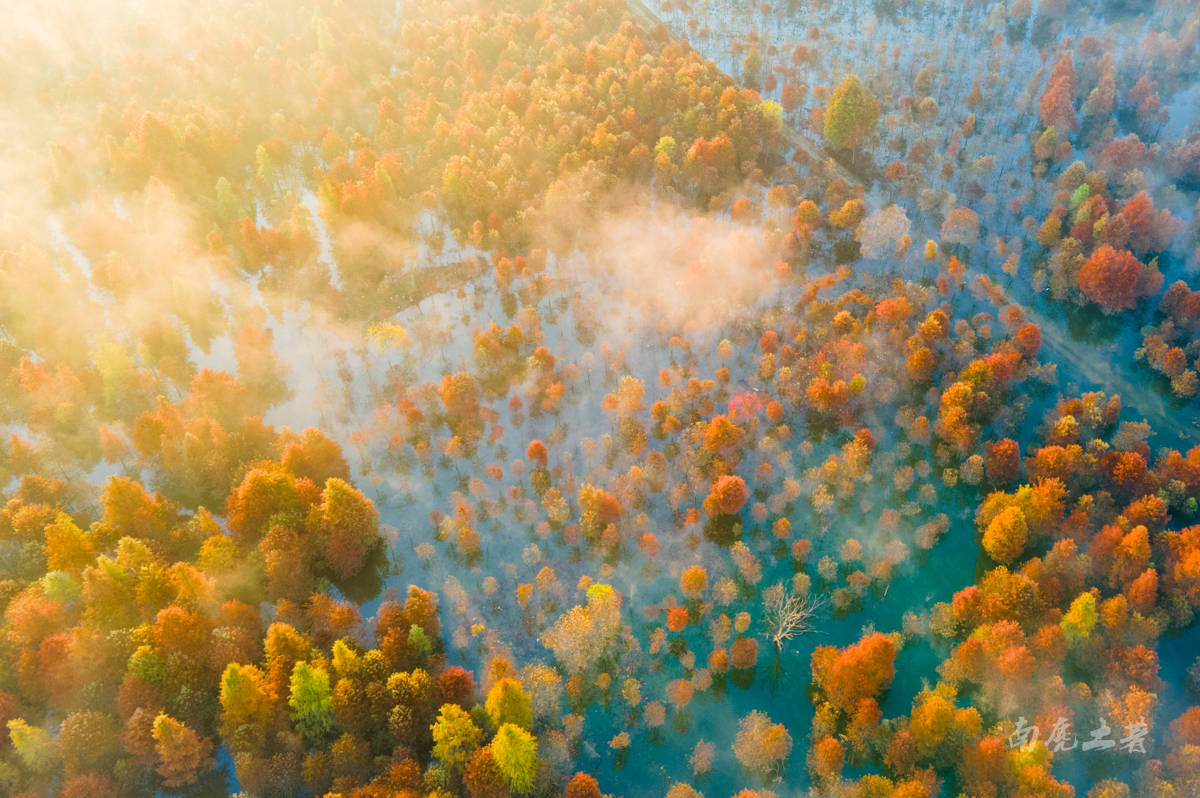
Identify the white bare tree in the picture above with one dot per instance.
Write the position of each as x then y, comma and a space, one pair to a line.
787, 614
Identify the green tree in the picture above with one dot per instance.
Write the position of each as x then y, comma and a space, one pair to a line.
851, 116
419, 642
515, 752
116, 369
311, 701
455, 736
1080, 619
34, 746
752, 66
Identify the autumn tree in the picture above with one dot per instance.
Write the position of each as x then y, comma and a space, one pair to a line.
456, 686
415, 699
88, 741
961, 227
693, 581
315, 457
851, 115
182, 754
460, 394
939, 729
1057, 104
482, 776
246, 703
346, 524
883, 231
34, 746
258, 368
762, 747
826, 759
455, 736
1115, 280
726, 496
1003, 461
861, 670
515, 752
582, 785
267, 495
1005, 535
507, 702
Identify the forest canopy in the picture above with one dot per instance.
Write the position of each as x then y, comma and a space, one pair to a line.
600, 398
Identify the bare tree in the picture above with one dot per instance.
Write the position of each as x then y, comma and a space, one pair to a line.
787, 614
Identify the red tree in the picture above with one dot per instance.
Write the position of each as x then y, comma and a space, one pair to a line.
1057, 105
1116, 280
727, 496
862, 670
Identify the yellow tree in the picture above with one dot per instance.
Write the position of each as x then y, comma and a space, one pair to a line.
851, 116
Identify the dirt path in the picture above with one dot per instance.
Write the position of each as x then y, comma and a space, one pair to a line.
1112, 370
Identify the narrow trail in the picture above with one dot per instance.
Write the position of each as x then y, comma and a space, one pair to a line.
1105, 366
1112, 370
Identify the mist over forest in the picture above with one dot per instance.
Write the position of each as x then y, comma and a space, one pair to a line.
600, 399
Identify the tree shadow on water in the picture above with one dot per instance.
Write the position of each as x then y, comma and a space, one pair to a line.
368, 582
724, 530
1092, 325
